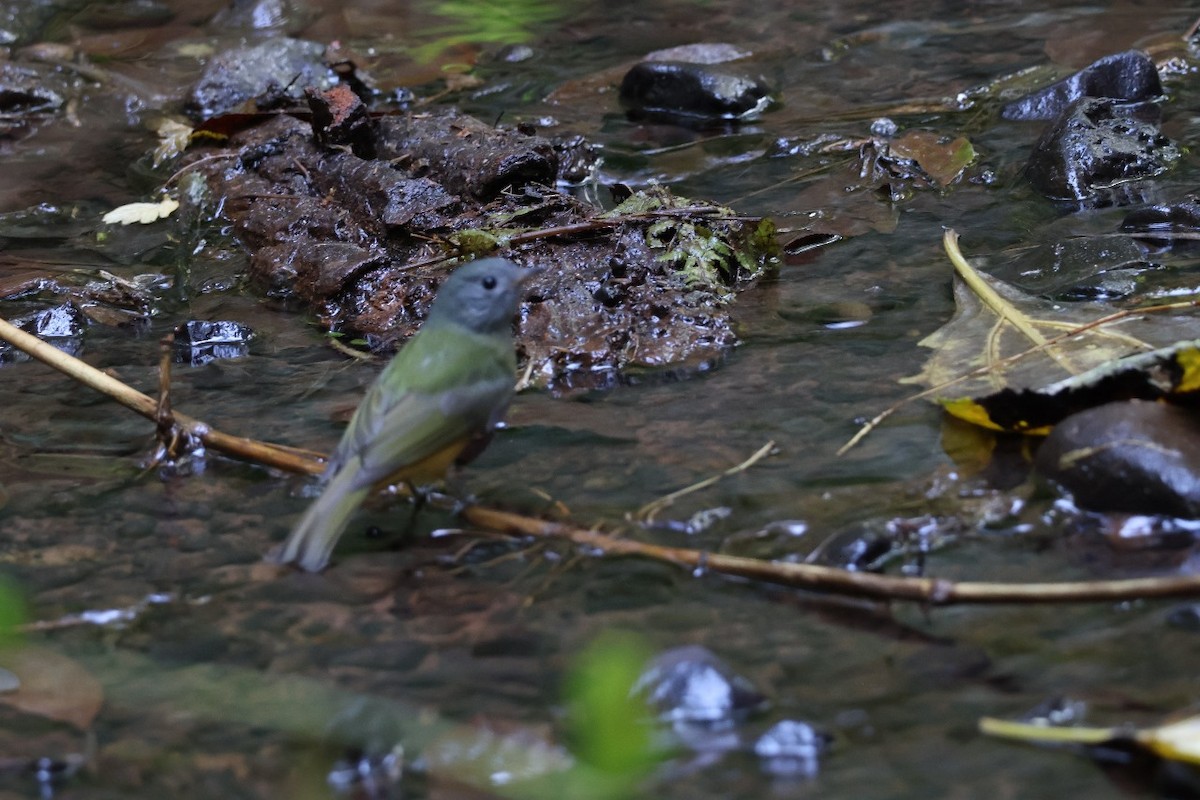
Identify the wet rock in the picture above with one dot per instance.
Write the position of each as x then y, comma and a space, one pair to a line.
1161, 225
690, 685
23, 91
1080, 268
791, 748
287, 66
63, 326
368, 774
1129, 77
856, 551
341, 119
1137, 457
61, 322
375, 190
682, 91
343, 233
1095, 147
577, 158
466, 156
199, 342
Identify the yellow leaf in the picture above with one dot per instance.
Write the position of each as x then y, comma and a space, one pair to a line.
145, 213
1178, 741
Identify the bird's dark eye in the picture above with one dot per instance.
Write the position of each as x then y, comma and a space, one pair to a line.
489, 283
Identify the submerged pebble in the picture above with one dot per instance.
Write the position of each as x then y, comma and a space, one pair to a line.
692, 685
680, 90
791, 748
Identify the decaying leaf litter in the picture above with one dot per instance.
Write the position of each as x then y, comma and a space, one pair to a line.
900, 197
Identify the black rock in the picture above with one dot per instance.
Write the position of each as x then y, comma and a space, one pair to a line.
280, 65
63, 326
1130, 77
1162, 224
683, 91
25, 90
1136, 457
1093, 148
61, 322
199, 342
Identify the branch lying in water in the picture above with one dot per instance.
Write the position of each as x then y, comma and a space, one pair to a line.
813, 577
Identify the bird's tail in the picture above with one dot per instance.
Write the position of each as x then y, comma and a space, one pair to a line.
311, 542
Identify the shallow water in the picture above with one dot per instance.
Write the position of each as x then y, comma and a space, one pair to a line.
237, 682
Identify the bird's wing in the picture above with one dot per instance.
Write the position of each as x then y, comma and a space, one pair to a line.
435, 393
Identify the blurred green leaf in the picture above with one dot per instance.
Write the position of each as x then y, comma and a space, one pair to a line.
610, 729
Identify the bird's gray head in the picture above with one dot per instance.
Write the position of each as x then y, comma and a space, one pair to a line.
481, 295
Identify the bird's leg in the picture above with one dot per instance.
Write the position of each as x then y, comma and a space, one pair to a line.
420, 498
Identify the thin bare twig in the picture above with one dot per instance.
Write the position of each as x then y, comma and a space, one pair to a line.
271, 455
646, 513
932, 591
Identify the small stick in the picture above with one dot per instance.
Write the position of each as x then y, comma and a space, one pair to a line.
285, 458
813, 577
646, 513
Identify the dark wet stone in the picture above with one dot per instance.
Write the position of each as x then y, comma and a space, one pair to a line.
342, 232
856, 551
465, 155
201, 332
1129, 77
368, 774
61, 322
677, 89
1080, 268
375, 190
1093, 148
691, 685
24, 91
1161, 224
1137, 457
791, 748
576, 158
341, 120
326, 267
199, 342
61, 326
243, 73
